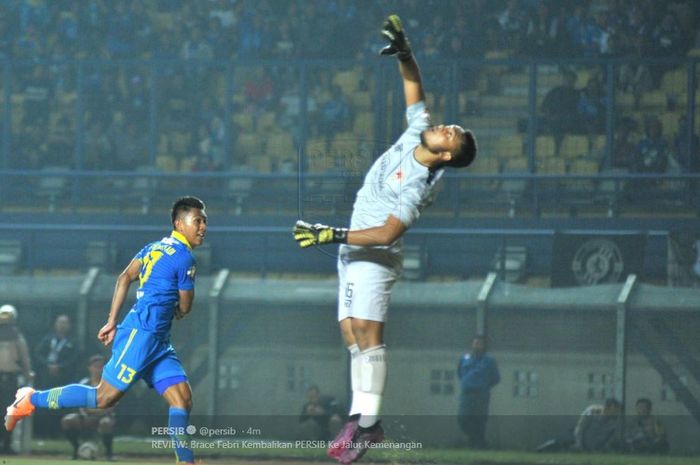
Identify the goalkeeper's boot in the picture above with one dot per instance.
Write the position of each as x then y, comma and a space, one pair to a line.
20, 408
342, 440
362, 441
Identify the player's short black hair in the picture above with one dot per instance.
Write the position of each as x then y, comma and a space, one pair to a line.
466, 153
183, 205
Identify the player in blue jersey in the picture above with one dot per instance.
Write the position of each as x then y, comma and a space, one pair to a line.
165, 270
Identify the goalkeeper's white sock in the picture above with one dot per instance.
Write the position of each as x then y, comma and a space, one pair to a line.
354, 378
368, 398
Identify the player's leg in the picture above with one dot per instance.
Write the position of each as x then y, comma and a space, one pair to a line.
368, 312
345, 292
179, 398
168, 378
71, 425
105, 428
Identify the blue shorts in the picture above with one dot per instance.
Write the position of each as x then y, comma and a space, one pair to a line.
138, 354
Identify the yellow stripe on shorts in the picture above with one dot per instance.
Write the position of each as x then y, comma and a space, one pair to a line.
128, 343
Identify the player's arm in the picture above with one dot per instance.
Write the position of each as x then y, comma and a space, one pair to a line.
121, 290
185, 304
401, 48
24, 359
307, 234
385, 234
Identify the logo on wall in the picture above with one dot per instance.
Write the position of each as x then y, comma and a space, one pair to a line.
597, 261
590, 259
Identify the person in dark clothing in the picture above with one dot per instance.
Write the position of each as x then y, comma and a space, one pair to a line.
478, 374
319, 415
56, 358
15, 365
647, 435
560, 110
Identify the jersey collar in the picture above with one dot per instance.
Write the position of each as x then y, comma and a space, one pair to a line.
181, 238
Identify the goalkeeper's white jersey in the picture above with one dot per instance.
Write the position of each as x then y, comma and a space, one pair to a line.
397, 185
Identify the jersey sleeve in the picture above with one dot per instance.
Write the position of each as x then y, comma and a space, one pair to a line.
142, 253
407, 207
185, 271
417, 116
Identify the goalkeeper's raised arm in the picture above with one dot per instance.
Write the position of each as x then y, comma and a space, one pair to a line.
399, 46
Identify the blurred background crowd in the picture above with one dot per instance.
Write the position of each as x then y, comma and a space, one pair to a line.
182, 86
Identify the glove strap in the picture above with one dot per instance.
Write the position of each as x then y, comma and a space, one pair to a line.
340, 235
404, 56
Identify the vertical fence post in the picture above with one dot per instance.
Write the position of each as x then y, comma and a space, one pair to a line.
482, 302
621, 345
213, 356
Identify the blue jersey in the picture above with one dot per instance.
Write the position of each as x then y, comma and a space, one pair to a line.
167, 266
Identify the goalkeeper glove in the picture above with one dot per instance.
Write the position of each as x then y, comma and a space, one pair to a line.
398, 43
307, 234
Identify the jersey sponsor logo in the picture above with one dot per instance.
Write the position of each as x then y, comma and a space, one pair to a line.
399, 175
192, 271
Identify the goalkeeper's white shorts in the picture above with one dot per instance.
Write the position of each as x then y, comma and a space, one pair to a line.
364, 290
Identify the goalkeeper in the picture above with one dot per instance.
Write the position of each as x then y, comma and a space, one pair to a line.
397, 187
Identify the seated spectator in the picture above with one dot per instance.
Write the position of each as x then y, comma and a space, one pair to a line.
667, 37
687, 157
540, 32
334, 115
513, 21
635, 77
647, 434
651, 155
598, 428
592, 106
559, 109
624, 146
320, 417
38, 95
83, 425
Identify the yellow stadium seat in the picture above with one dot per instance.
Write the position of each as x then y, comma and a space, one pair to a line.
363, 126
261, 164
187, 163
485, 165
280, 145
162, 144
180, 142
550, 165
516, 165
669, 120
267, 121
544, 146
361, 101
248, 144
348, 80
574, 146
166, 163
509, 146
599, 143
244, 121
582, 166
654, 100
624, 100
675, 81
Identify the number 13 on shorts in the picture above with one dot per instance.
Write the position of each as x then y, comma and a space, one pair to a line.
126, 374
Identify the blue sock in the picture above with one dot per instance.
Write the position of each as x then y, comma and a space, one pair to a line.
71, 396
178, 418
